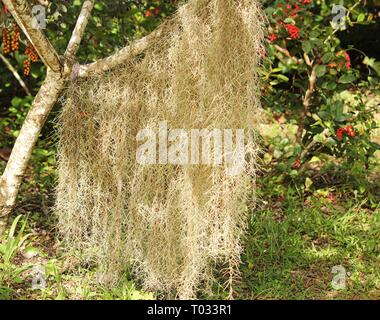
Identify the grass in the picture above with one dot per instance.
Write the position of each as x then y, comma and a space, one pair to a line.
290, 250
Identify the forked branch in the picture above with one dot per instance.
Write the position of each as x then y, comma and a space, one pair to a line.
47, 96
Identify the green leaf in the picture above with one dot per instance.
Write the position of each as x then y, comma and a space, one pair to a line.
13, 227
288, 20
330, 142
16, 101
320, 70
308, 183
314, 159
306, 46
371, 62
331, 85
281, 77
347, 78
327, 57
361, 17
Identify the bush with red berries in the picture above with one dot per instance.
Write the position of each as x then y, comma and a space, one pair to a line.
323, 90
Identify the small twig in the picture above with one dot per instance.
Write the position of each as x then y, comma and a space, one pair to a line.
15, 74
307, 60
306, 103
286, 53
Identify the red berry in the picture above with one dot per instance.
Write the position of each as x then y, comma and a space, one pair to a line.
339, 133
272, 37
350, 131
293, 31
297, 164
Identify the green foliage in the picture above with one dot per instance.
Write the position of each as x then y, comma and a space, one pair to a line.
9, 272
112, 25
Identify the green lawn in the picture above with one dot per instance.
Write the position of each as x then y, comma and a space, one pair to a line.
290, 252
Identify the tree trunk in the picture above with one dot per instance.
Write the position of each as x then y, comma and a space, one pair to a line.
22, 150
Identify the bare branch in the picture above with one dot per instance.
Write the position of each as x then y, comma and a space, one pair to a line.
22, 12
306, 102
15, 74
79, 29
119, 57
286, 53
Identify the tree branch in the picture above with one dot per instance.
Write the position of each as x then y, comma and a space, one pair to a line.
79, 29
119, 57
306, 103
22, 13
15, 74
286, 53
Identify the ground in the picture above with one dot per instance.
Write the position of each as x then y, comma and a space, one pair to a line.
290, 251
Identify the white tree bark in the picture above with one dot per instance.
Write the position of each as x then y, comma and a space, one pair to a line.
80, 27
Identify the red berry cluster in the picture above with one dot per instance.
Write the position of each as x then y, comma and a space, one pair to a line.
32, 57
27, 65
346, 57
297, 164
346, 61
6, 36
150, 13
15, 38
293, 31
288, 11
11, 40
349, 130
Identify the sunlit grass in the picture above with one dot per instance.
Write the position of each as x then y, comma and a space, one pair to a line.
293, 257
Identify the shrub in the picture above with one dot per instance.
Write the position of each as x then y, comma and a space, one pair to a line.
322, 94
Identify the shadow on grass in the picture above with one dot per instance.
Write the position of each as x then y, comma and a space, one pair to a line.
290, 253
